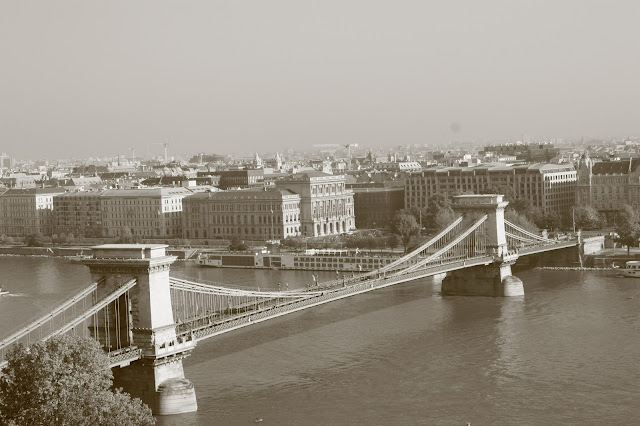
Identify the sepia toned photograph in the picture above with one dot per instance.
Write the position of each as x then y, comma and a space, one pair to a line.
299, 212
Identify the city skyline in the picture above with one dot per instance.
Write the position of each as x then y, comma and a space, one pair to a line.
84, 79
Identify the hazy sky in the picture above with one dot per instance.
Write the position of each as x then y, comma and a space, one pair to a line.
98, 77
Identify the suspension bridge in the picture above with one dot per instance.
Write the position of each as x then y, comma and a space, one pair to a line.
148, 321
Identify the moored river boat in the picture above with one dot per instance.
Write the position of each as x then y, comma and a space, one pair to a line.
631, 269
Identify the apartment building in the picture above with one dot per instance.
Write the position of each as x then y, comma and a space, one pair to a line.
548, 186
608, 185
150, 213
27, 211
326, 206
259, 215
78, 213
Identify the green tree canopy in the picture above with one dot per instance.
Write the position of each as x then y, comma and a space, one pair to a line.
439, 212
520, 220
587, 217
237, 244
549, 220
405, 226
628, 227
128, 237
34, 240
64, 381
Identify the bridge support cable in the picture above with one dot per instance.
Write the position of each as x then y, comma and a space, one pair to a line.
196, 304
512, 229
434, 244
460, 247
517, 241
205, 288
201, 329
106, 321
53, 320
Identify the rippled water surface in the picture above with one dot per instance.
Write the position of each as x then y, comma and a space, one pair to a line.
566, 353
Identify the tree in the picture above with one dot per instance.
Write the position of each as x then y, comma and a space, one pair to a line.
439, 212
405, 226
126, 237
521, 205
60, 239
70, 239
587, 217
443, 218
393, 241
550, 220
34, 240
4, 239
520, 220
628, 227
237, 244
65, 381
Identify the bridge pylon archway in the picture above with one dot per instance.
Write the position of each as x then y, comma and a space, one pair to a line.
495, 279
157, 378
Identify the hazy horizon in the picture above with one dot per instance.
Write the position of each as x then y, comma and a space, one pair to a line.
97, 78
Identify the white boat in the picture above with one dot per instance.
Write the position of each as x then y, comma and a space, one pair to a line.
3, 292
631, 269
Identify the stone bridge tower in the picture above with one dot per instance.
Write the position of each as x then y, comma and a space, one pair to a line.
158, 377
494, 279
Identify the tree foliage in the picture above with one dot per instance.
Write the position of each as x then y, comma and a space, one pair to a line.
587, 218
34, 240
520, 220
439, 212
237, 244
64, 381
628, 227
128, 237
549, 220
405, 226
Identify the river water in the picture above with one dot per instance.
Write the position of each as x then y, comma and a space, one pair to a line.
566, 353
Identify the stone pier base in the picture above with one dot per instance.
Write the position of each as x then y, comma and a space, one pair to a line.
162, 387
176, 396
491, 280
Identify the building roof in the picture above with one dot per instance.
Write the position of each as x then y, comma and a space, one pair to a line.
501, 167
86, 180
33, 191
147, 192
82, 194
614, 167
242, 194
